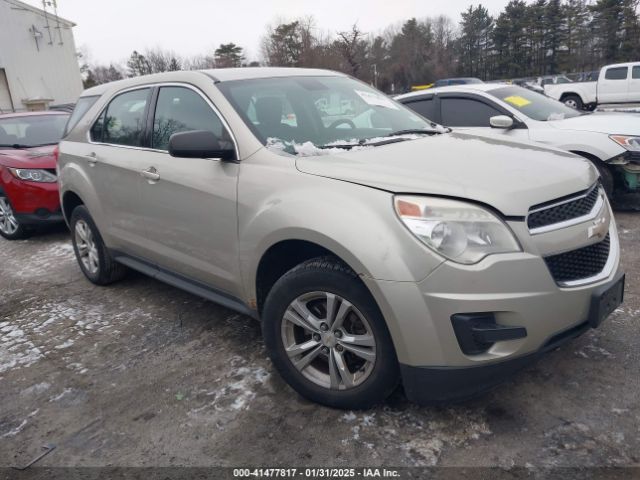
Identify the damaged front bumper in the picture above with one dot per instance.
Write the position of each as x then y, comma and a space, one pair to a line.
626, 172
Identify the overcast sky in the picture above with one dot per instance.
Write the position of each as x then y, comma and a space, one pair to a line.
111, 29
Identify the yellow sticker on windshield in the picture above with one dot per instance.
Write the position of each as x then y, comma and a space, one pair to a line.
518, 101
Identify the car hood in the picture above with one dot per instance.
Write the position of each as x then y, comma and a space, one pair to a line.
37, 157
509, 176
617, 123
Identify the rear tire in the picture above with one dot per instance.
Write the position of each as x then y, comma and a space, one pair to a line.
10, 226
92, 254
337, 351
573, 101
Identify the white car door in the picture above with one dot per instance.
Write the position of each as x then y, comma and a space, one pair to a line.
634, 84
470, 113
613, 85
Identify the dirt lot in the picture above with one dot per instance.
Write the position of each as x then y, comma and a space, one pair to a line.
142, 374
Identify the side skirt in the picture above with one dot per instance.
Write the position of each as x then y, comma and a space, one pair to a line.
189, 285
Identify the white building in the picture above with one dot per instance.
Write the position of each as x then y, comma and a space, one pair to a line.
38, 62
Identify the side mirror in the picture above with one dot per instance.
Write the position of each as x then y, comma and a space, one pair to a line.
198, 144
501, 121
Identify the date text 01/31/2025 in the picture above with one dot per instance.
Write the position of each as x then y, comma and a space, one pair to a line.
315, 473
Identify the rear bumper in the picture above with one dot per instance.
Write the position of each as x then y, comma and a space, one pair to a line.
429, 385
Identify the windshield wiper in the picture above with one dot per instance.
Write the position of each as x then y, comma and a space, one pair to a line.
363, 142
412, 131
22, 146
385, 140
16, 145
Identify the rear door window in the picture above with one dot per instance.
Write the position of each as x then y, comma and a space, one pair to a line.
636, 73
123, 121
617, 73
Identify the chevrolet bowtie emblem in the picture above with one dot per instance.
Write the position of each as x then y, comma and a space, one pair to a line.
598, 228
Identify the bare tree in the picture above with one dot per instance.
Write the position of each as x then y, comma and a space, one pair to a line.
353, 48
198, 62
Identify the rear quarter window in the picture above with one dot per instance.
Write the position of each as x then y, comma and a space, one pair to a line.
425, 107
82, 106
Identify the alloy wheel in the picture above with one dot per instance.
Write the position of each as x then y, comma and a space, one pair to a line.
328, 340
571, 103
8, 221
86, 245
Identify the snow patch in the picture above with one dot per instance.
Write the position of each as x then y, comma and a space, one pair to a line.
39, 329
43, 262
36, 389
233, 397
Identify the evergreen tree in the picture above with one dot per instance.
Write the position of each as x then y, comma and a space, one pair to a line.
228, 55
578, 37
474, 43
554, 28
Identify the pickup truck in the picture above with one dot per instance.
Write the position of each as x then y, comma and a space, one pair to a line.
619, 83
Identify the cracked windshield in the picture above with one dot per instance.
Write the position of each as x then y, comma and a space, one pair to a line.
319, 115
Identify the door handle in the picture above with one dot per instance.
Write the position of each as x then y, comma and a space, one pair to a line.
92, 159
151, 174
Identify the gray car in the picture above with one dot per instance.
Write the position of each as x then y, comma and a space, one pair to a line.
375, 247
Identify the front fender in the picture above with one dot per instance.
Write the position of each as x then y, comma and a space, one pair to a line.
354, 222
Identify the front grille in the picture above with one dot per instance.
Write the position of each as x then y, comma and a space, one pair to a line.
569, 210
579, 264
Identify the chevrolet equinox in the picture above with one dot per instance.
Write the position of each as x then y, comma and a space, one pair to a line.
375, 246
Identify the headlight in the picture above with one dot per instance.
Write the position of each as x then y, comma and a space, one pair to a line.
462, 232
626, 141
31, 175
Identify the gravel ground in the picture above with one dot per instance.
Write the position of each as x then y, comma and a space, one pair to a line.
143, 374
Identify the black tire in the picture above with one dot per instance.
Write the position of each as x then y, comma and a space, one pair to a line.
20, 231
573, 101
606, 177
108, 271
327, 274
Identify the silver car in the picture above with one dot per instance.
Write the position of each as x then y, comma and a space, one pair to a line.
375, 247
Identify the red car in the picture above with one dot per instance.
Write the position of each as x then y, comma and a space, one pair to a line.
28, 182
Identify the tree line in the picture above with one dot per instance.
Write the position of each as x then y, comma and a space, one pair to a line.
525, 39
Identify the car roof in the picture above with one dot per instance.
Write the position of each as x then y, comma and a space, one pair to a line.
457, 78
626, 64
478, 87
216, 74
33, 114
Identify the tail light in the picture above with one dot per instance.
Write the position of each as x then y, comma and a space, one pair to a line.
56, 153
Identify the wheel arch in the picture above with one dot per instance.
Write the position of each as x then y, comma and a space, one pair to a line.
588, 155
70, 200
284, 255
567, 94
604, 169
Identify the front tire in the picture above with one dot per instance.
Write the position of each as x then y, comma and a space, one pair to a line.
10, 226
606, 177
93, 256
327, 337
